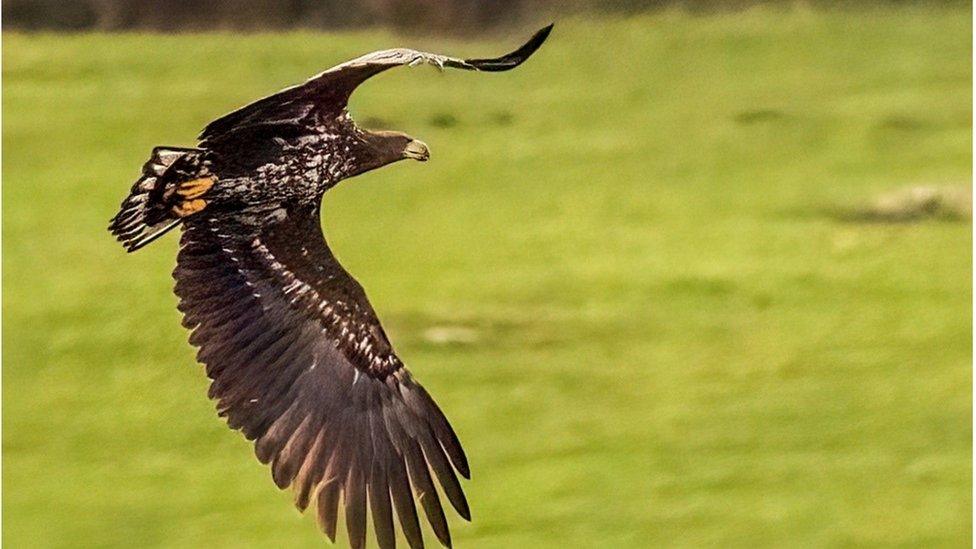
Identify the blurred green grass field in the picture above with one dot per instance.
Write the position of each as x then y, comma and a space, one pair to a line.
671, 338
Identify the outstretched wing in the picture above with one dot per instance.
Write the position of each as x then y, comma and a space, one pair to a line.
300, 364
329, 91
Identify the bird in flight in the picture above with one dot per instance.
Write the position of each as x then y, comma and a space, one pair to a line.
297, 358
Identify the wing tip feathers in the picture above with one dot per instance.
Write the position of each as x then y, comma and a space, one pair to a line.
511, 60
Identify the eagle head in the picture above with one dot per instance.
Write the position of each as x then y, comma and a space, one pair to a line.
387, 147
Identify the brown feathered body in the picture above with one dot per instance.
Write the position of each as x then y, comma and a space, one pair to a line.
297, 358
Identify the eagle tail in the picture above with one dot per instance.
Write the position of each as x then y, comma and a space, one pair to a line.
146, 214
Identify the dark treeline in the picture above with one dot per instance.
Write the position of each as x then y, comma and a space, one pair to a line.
190, 15
254, 15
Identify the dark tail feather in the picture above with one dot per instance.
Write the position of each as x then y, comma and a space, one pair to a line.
141, 220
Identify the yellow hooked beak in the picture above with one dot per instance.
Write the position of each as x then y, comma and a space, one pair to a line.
416, 150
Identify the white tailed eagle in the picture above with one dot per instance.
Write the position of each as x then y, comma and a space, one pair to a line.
298, 360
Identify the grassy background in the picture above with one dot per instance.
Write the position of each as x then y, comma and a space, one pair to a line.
676, 339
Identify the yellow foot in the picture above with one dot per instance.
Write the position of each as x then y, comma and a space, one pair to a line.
195, 187
189, 207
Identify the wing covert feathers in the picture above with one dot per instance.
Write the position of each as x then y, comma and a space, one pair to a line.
262, 308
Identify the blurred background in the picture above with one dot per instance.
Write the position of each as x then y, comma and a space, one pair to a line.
697, 274
421, 16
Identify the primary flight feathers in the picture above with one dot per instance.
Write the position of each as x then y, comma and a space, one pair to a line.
298, 359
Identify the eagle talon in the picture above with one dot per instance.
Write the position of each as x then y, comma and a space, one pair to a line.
195, 188
189, 207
